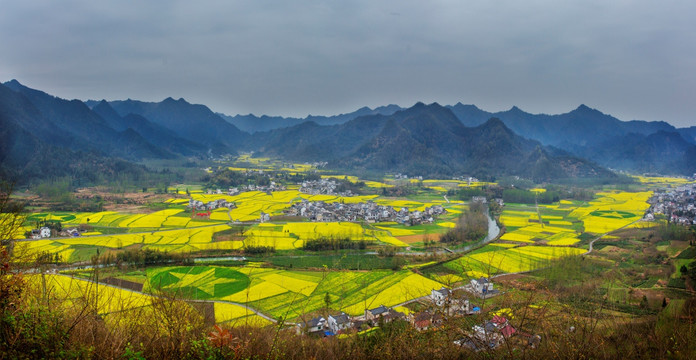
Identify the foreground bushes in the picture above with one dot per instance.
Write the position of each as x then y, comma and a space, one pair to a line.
40, 325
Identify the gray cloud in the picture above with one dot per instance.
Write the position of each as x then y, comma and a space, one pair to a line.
632, 59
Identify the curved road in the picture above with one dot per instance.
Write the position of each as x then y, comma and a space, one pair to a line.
607, 233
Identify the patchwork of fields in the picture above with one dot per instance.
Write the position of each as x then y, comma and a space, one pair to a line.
561, 224
82, 248
535, 236
174, 230
282, 293
121, 306
493, 259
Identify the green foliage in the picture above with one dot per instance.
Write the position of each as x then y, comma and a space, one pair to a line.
258, 250
466, 193
688, 253
339, 262
142, 257
529, 197
670, 231
326, 243
471, 226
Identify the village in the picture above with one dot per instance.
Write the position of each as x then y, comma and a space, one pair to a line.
323, 187
441, 304
367, 211
677, 204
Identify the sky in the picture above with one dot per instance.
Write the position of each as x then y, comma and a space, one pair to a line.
630, 59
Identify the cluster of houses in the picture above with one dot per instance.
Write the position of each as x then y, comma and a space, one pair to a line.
488, 335
46, 232
273, 186
322, 187
444, 304
401, 176
367, 211
197, 205
469, 179
677, 204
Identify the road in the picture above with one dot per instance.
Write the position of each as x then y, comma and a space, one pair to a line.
607, 233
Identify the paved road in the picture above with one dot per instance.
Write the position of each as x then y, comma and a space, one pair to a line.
607, 233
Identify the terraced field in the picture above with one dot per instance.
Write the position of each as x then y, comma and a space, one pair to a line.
493, 259
562, 223
281, 293
82, 248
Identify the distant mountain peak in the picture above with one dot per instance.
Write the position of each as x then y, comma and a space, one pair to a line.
171, 100
494, 121
471, 106
586, 109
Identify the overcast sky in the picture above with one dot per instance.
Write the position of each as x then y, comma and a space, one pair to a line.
630, 59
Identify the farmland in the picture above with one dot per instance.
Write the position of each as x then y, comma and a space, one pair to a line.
561, 224
175, 230
282, 293
294, 281
120, 306
82, 248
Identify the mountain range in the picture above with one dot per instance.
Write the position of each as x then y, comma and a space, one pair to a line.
424, 139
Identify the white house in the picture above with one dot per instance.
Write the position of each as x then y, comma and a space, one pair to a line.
439, 297
45, 232
339, 322
482, 285
314, 325
375, 313
264, 217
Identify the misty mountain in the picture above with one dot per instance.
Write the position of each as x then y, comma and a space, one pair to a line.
195, 123
591, 134
661, 152
71, 124
30, 146
689, 134
424, 139
584, 132
154, 133
580, 127
252, 123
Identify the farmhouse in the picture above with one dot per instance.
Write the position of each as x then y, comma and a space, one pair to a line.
339, 322
383, 314
489, 335
373, 314
440, 297
313, 326
426, 320
482, 285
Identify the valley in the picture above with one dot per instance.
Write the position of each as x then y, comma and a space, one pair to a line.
244, 257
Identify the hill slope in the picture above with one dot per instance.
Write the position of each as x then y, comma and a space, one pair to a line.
195, 123
424, 139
